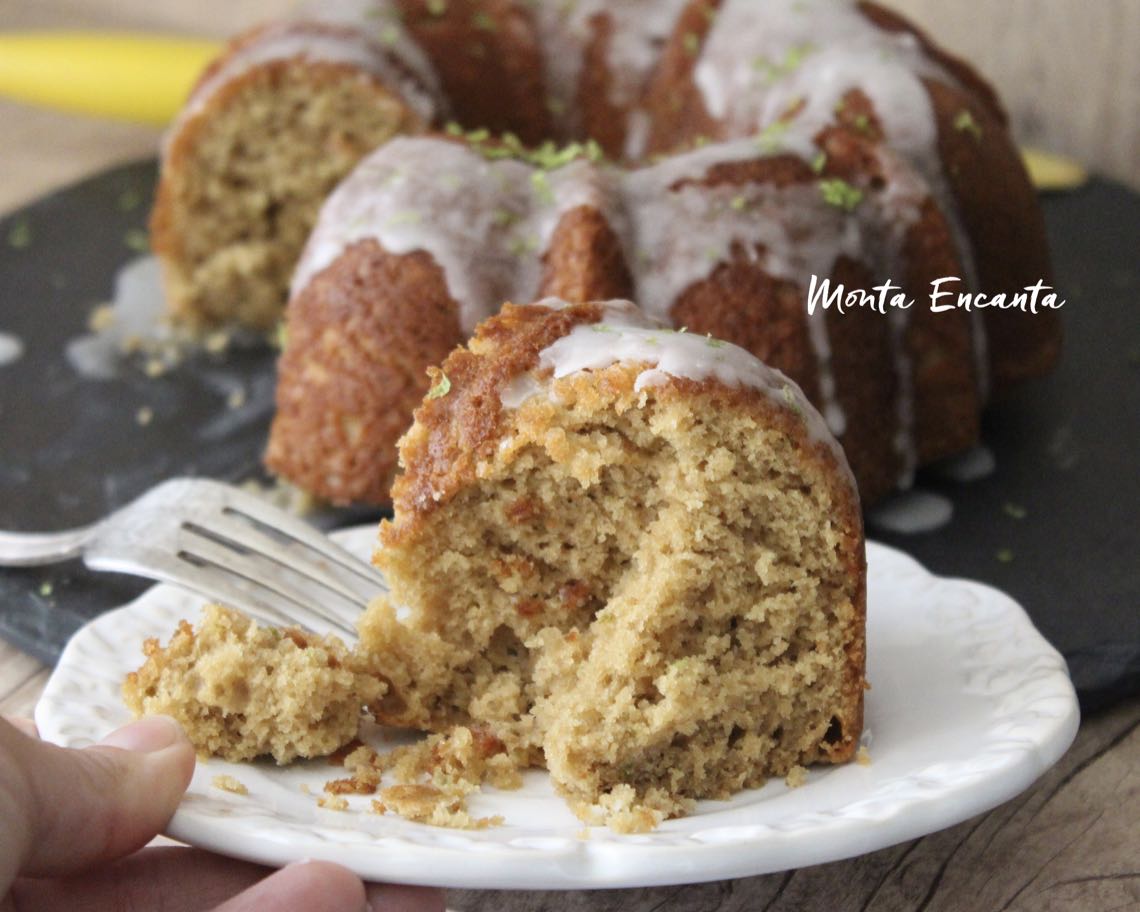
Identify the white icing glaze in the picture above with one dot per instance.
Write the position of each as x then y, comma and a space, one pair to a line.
486, 223
912, 512
639, 29
381, 21
628, 335
329, 42
759, 60
11, 348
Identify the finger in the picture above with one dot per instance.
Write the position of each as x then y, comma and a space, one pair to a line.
178, 879
170, 878
401, 898
24, 726
307, 886
72, 808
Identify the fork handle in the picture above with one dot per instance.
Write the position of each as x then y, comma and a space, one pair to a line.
33, 549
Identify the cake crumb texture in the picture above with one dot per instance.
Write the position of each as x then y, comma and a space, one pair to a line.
241, 690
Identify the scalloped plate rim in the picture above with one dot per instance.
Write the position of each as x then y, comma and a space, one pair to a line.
673, 854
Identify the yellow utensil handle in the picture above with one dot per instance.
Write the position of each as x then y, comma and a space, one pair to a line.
122, 75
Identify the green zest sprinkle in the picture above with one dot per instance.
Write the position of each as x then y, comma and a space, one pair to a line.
20, 234
772, 71
602, 328
819, 162
390, 34
837, 192
1005, 556
503, 217
691, 42
547, 156
437, 7
521, 245
862, 123
483, 21
965, 123
771, 138
46, 589
790, 399
129, 199
541, 186
1015, 511
281, 337
405, 217
137, 240
714, 343
738, 202
441, 387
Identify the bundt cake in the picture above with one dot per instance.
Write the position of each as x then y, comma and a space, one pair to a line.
427, 236
769, 143
629, 554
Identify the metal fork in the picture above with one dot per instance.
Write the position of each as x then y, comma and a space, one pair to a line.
226, 544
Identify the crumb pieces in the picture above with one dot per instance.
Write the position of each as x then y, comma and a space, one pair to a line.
333, 802
622, 811
796, 777
217, 342
144, 416
236, 399
422, 803
863, 756
433, 777
229, 783
101, 318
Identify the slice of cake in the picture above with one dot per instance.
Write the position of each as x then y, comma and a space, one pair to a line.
633, 555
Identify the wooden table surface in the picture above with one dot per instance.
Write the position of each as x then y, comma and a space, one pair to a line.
1071, 842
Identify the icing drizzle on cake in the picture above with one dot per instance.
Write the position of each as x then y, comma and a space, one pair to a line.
628, 335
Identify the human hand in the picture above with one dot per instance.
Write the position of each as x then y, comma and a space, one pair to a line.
72, 822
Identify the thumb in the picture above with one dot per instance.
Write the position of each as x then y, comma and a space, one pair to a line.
73, 808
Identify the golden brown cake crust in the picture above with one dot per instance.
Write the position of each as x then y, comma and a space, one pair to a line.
454, 431
358, 335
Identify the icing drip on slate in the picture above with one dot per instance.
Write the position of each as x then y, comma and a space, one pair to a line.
337, 38
628, 335
11, 348
911, 513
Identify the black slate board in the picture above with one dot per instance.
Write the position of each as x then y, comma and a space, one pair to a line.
1066, 446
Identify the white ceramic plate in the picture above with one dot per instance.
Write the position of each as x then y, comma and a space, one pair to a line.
969, 706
